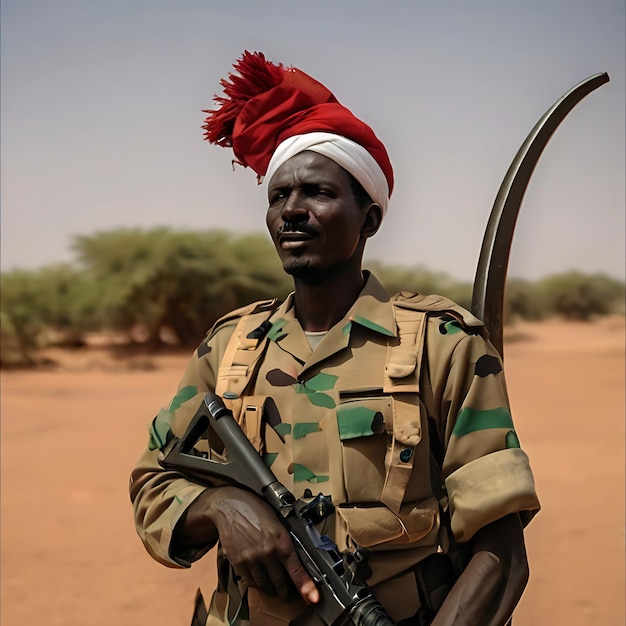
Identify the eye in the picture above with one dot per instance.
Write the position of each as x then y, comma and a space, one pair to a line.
320, 191
276, 196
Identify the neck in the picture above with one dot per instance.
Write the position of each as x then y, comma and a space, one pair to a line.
320, 306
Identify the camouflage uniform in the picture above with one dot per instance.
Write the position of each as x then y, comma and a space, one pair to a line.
350, 421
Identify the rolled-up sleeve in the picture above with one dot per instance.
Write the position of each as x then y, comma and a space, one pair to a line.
486, 472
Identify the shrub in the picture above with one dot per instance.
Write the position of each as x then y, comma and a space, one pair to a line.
578, 296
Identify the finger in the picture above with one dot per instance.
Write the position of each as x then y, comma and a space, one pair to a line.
301, 579
280, 580
262, 580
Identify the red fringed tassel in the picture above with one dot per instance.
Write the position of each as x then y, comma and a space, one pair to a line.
256, 75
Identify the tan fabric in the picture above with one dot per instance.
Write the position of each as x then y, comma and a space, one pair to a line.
488, 488
324, 420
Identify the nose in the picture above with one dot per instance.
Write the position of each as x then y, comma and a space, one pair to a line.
294, 208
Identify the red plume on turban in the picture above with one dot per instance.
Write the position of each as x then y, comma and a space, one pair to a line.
264, 104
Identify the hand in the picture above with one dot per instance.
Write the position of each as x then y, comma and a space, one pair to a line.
253, 539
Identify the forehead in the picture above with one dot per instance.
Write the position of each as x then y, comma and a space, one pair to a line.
310, 167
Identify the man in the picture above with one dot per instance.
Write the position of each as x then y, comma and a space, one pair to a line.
373, 401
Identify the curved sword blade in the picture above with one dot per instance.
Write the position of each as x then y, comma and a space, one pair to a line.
489, 282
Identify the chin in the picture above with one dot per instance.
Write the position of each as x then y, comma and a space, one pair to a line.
301, 269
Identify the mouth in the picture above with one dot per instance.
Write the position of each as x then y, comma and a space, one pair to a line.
289, 236
293, 239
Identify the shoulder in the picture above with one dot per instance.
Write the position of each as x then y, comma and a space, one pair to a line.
441, 312
252, 315
451, 332
259, 310
218, 337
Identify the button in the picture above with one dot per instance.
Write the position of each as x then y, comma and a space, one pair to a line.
406, 454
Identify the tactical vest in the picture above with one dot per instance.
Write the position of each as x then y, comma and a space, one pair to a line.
402, 376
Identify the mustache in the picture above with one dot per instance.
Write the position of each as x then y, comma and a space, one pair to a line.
296, 227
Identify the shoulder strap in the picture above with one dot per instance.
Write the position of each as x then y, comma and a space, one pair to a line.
248, 309
239, 365
241, 356
403, 367
401, 380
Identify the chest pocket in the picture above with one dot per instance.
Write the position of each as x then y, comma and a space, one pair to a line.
383, 456
366, 429
363, 424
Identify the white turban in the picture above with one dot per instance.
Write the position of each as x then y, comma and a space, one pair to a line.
353, 157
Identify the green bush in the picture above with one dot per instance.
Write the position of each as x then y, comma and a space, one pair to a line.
401, 278
23, 316
578, 296
523, 300
51, 304
180, 281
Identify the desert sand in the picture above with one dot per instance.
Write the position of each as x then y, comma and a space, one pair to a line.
70, 435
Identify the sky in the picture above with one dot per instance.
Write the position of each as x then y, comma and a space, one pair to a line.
101, 115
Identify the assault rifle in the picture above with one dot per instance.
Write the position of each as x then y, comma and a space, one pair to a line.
344, 598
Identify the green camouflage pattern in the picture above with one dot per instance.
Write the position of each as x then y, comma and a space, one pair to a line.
326, 430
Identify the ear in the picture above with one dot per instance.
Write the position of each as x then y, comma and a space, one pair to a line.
373, 219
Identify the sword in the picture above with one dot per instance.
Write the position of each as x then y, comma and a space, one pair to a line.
489, 281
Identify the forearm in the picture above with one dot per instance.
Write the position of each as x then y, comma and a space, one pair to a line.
505, 538
196, 528
492, 584
473, 593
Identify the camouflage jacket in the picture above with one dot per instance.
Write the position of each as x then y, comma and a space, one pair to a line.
349, 420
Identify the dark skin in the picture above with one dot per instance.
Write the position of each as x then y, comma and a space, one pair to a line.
319, 228
493, 582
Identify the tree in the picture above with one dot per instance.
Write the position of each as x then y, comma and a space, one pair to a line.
51, 304
182, 281
21, 317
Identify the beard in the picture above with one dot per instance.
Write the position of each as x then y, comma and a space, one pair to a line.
301, 269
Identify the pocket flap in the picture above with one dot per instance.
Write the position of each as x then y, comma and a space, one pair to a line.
377, 525
364, 417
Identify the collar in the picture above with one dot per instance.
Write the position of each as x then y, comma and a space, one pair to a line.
372, 310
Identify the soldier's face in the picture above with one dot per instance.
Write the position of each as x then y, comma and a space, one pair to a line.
313, 217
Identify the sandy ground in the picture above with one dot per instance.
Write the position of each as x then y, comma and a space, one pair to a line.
69, 437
